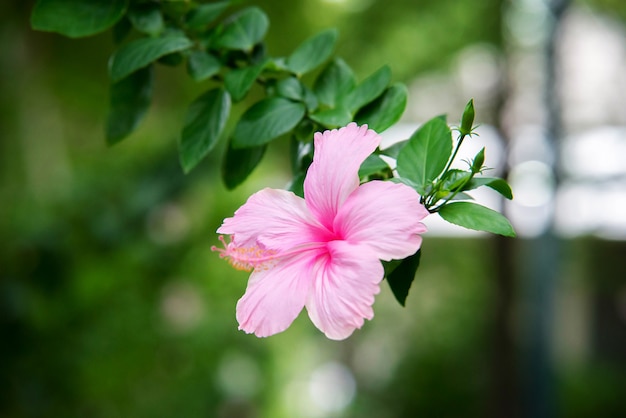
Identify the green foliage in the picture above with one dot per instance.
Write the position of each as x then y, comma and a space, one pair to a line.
334, 82
386, 110
239, 81
141, 52
202, 16
400, 275
497, 184
426, 154
477, 217
230, 54
202, 65
373, 165
239, 163
267, 120
128, 103
290, 88
313, 52
147, 18
205, 121
369, 89
244, 30
76, 18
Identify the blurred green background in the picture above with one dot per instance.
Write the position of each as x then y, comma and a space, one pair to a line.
112, 304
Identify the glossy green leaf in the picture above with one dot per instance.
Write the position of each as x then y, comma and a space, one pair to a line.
297, 185
147, 18
244, 29
129, 100
238, 164
333, 82
372, 87
400, 275
425, 155
141, 52
300, 152
393, 150
455, 178
312, 52
266, 120
205, 14
290, 88
497, 184
75, 18
477, 217
373, 164
239, 81
204, 123
202, 65
332, 118
385, 110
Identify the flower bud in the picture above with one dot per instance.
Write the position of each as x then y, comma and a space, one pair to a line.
479, 159
468, 119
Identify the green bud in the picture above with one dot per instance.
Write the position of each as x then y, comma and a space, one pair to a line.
468, 118
479, 159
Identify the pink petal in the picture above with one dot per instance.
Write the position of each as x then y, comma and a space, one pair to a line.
345, 281
384, 216
333, 175
277, 219
275, 296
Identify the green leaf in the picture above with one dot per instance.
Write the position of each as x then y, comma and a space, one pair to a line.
333, 82
402, 275
239, 163
129, 101
453, 179
310, 99
332, 118
477, 217
300, 152
497, 184
244, 30
202, 65
205, 14
394, 149
239, 81
312, 52
385, 110
76, 18
266, 120
290, 88
147, 18
297, 185
369, 89
372, 165
141, 52
426, 154
204, 123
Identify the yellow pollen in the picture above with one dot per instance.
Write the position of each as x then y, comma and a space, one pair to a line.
245, 258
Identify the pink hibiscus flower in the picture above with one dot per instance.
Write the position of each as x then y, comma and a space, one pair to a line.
322, 252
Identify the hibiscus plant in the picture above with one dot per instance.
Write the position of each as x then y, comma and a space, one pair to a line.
349, 218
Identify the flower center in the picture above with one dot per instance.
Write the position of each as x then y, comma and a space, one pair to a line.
245, 258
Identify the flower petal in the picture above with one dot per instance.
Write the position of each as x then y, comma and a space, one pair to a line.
277, 219
345, 280
384, 216
333, 175
275, 296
